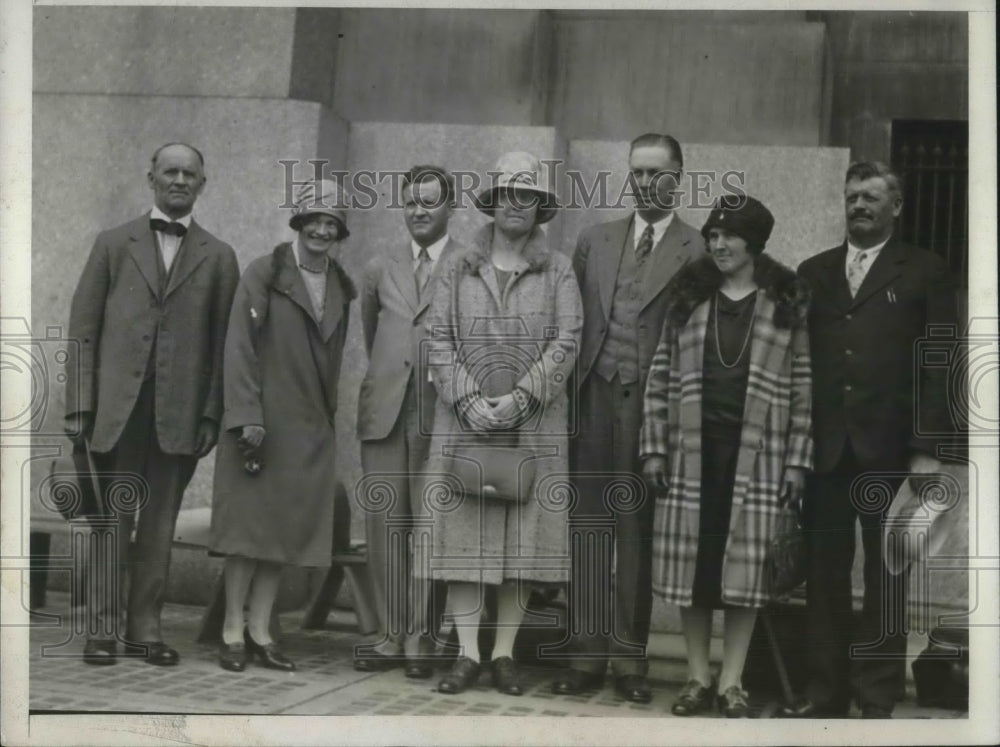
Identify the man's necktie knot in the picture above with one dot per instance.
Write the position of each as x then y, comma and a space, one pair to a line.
645, 245
172, 228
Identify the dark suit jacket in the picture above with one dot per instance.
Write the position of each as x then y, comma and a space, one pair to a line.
116, 316
864, 355
392, 321
596, 261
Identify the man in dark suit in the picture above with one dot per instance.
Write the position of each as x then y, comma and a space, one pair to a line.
149, 316
623, 267
395, 417
873, 298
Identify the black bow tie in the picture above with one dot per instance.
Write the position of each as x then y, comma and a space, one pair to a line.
172, 228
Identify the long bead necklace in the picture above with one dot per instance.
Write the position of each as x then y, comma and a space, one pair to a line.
746, 340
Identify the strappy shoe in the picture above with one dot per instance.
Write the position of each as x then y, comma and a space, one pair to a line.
733, 702
694, 698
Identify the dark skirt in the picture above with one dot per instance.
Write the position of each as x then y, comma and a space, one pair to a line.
719, 451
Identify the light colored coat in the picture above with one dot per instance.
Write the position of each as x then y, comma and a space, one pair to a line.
537, 320
392, 320
776, 431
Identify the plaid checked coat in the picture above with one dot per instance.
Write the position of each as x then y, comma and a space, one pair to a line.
776, 429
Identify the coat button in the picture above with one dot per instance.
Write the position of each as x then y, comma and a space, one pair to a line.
145, 338
848, 317
848, 388
848, 352
406, 363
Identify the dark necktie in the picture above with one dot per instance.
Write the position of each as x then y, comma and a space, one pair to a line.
645, 245
173, 228
423, 271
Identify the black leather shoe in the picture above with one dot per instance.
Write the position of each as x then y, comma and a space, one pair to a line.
575, 681
634, 687
733, 703
870, 710
270, 656
159, 654
418, 669
100, 652
693, 699
233, 656
463, 675
506, 678
808, 709
372, 661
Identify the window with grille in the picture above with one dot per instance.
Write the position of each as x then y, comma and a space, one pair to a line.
932, 156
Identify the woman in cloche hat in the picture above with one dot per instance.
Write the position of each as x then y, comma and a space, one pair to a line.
276, 462
506, 317
725, 439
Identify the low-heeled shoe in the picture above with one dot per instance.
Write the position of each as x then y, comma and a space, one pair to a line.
575, 681
269, 654
809, 709
101, 652
693, 699
372, 661
418, 669
733, 702
156, 652
506, 678
464, 673
634, 687
233, 656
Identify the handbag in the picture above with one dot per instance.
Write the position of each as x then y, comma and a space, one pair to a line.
492, 471
785, 565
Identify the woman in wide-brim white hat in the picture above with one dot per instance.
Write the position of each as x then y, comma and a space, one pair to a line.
507, 316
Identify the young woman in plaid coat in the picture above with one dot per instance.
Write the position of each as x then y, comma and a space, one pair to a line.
725, 438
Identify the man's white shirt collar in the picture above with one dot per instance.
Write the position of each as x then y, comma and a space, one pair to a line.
871, 251
157, 213
433, 251
659, 228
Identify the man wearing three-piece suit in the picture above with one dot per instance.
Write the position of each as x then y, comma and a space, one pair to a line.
395, 417
622, 267
873, 299
149, 318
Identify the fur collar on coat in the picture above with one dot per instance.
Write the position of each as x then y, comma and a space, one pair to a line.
536, 252
698, 281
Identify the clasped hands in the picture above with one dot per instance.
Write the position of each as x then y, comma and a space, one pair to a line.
493, 413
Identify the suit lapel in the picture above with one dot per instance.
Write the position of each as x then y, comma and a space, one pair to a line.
402, 276
609, 258
834, 280
667, 258
886, 268
189, 256
428, 294
143, 249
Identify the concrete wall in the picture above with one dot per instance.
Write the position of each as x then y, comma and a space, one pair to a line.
894, 66
164, 51
618, 76
456, 66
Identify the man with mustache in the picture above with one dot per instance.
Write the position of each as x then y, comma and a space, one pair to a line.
623, 267
873, 297
395, 417
149, 319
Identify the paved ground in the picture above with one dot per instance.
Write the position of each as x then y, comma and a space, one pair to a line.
324, 684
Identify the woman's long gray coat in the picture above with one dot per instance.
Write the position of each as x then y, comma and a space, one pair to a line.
489, 339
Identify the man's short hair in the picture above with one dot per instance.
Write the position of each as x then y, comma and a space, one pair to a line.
862, 170
657, 140
156, 153
443, 177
